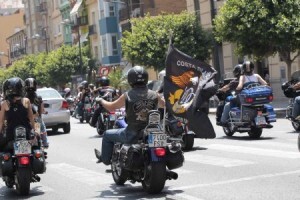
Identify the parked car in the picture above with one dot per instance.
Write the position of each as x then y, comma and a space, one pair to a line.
57, 107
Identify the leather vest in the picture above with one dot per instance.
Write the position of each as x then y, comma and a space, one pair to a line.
138, 102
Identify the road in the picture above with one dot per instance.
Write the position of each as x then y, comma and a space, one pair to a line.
223, 168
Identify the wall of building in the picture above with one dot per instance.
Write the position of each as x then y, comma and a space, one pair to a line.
15, 24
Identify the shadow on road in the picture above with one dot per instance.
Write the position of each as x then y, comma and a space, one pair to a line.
129, 191
195, 149
245, 138
12, 193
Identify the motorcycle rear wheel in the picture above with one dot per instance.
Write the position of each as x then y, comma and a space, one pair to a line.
296, 126
154, 177
188, 141
228, 131
255, 133
23, 178
119, 175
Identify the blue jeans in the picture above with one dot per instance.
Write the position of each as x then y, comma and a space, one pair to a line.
296, 108
110, 137
225, 114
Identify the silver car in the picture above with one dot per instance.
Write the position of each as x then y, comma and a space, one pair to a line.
57, 107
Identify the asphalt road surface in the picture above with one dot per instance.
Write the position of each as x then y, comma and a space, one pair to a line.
234, 168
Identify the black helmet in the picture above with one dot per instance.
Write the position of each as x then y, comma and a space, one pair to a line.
91, 85
30, 84
137, 76
13, 87
84, 84
237, 70
248, 67
104, 81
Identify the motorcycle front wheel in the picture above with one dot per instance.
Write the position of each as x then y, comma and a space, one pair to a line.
154, 177
23, 178
119, 175
188, 141
228, 131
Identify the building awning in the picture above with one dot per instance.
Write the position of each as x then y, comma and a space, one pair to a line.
76, 7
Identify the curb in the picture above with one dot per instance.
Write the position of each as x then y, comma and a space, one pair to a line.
280, 112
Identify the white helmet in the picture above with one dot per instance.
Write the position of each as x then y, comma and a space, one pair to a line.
67, 90
161, 75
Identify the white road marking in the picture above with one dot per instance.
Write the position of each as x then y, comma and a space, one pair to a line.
255, 151
250, 178
81, 174
217, 161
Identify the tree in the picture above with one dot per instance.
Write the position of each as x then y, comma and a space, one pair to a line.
117, 79
261, 28
148, 41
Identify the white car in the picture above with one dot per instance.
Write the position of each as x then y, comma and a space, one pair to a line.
58, 115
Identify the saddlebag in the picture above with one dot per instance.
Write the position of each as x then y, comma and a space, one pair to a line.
7, 167
38, 164
131, 157
256, 95
174, 159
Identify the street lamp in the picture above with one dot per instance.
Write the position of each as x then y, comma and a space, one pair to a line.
68, 22
3, 54
45, 38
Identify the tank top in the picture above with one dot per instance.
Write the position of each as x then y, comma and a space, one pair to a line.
251, 78
16, 115
138, 102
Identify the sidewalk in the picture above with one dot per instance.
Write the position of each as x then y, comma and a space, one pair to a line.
278, 104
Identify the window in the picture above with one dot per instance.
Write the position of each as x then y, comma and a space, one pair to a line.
111, 10
114, 45
104, 46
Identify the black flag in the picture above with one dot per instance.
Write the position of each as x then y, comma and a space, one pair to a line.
183, 84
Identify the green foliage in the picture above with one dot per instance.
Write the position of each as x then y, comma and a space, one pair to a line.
148, 42
52, 69
260, 28
117, 79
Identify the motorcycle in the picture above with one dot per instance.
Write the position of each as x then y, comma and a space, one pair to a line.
71, 104
254, 112
147, 159
87, 110
292, 94
23, 161
177, 128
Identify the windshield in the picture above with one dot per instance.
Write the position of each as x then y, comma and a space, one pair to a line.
296, 75
48, 94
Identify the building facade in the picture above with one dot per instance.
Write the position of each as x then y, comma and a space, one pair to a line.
16, 24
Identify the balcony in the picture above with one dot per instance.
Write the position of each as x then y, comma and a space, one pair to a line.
82, 21
92, 29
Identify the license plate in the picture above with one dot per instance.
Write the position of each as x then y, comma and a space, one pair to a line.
112, 117
87, 106
260, 120
22, 147
157, 140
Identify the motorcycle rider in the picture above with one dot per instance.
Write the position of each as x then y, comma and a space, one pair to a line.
296, 106
37, 107
249, 76
106, 92
237, 71
82, 95
137, 101
245, 79
16, 110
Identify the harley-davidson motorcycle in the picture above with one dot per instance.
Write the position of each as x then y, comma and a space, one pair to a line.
291, 93
150, 159
252, 111
22, 160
